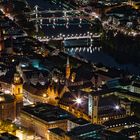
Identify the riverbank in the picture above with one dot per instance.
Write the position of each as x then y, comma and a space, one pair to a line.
125, 49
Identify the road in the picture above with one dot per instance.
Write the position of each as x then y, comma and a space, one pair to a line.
124, 30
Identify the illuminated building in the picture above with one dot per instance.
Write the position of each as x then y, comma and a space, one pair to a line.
56, 134
59, 134
76, 122
17, 91
41, 117
104, 105
52, 92
127, 105
132, 132
136, 87
43, 93
95, 106
95, 109
134, 3
85, 132
7, 107
122, 123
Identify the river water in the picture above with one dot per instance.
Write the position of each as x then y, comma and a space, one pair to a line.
92, 54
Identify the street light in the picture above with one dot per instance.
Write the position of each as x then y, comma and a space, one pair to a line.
117, 107
78, 100
44, 95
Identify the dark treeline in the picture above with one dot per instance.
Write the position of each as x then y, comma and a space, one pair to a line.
125, 49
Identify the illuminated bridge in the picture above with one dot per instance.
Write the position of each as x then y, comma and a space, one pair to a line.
67, 20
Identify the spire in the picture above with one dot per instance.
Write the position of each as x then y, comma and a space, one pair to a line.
68, 61
68, 69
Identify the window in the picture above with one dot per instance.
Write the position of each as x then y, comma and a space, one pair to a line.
18, 90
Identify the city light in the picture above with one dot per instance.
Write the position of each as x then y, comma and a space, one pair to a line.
7, 91
44, 95
117, 107
41, 91
78, 100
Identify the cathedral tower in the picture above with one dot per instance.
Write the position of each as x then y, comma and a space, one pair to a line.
95, 109
93, 106
17, 91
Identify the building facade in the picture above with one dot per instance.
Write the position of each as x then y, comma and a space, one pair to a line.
17, 91
7, 107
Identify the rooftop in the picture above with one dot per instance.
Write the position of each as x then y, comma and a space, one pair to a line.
127, 120
57, 131
130, 131
7, 136
136, 84
85, 129
111, 112
114, 135
111, 72
5, 98
79, 121
47, 112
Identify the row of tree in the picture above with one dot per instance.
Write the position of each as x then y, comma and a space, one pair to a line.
125, 48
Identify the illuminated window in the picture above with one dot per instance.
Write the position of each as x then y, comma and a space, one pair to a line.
18, 90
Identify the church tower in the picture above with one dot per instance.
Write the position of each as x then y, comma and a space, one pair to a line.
17, 91
68, 69
93, 106
95, 109
1, 40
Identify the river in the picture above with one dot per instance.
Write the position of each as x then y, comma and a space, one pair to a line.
92, 54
